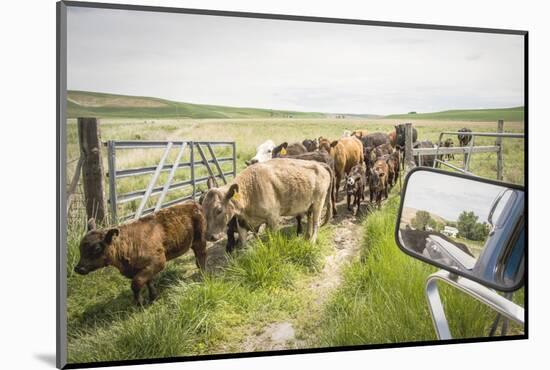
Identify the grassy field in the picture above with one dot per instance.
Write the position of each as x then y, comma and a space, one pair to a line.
507, 114
379, 300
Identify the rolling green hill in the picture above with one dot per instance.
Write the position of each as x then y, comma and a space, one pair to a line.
102, 105
84, 103
507, 114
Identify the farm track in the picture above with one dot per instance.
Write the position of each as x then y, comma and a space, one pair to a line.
299, 329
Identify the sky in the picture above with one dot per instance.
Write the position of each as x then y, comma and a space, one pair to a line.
292, 65
448, 196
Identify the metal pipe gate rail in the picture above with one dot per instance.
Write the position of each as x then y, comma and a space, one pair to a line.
468, 150
152, 190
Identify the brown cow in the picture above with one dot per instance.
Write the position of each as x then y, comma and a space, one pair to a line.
140, 249
393, 138
355, 186
383, 149
347, 152
393, 167
324, 144
378, 181
449, 143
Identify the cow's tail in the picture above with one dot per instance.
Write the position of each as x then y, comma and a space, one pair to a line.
330, 199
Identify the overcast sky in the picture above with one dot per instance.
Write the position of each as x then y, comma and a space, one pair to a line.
448, 196
291, 65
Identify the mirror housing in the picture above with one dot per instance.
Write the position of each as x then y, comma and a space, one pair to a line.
438, 224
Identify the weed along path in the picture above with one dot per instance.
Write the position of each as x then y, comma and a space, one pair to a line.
298, 328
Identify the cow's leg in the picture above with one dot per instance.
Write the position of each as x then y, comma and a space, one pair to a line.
199, 249
298, 224
309, 228
349, 201
144, 277
231, 229
243, 234
315, 219
337, 185
152, 291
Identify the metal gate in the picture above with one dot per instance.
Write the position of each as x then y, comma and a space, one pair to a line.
200, 155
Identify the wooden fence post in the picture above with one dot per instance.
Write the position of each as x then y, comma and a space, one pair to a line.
409, 159
92, 167
500, 156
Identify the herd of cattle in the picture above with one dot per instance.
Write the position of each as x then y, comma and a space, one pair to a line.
296, 180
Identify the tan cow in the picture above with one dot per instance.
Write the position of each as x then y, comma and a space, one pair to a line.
346, 152
267, 191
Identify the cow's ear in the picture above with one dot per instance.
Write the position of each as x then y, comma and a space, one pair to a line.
233, 189
334, 143
108, 239
91, 224
211, 183
284, 145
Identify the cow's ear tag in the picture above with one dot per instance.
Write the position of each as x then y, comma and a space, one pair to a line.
236, 196
283, 151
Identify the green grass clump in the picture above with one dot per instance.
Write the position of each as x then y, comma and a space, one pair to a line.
382, 298
275, 261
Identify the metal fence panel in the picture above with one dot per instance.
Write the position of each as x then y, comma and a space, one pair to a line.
114, 174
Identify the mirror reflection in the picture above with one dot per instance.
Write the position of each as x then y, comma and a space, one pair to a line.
465, 225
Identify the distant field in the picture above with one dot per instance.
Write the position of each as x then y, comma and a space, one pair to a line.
508, 114
91, 104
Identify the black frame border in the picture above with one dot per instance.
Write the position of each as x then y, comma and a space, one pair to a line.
61, 87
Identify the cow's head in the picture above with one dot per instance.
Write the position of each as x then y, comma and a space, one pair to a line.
350, 184
219, 206
333, 145
93, 247
280, 150
400, 134
263, 153
374, 179
311, 145
324, 144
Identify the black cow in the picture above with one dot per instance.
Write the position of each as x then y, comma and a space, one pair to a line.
400, 133
285, 150
310, 145
464, 140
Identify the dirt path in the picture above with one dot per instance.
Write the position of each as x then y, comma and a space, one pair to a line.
283, 335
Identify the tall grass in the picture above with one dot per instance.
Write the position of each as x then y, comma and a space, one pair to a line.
194, 314
382, 298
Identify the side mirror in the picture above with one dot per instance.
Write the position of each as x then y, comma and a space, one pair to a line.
469, 226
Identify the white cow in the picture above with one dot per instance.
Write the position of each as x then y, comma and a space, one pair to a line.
263, 153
